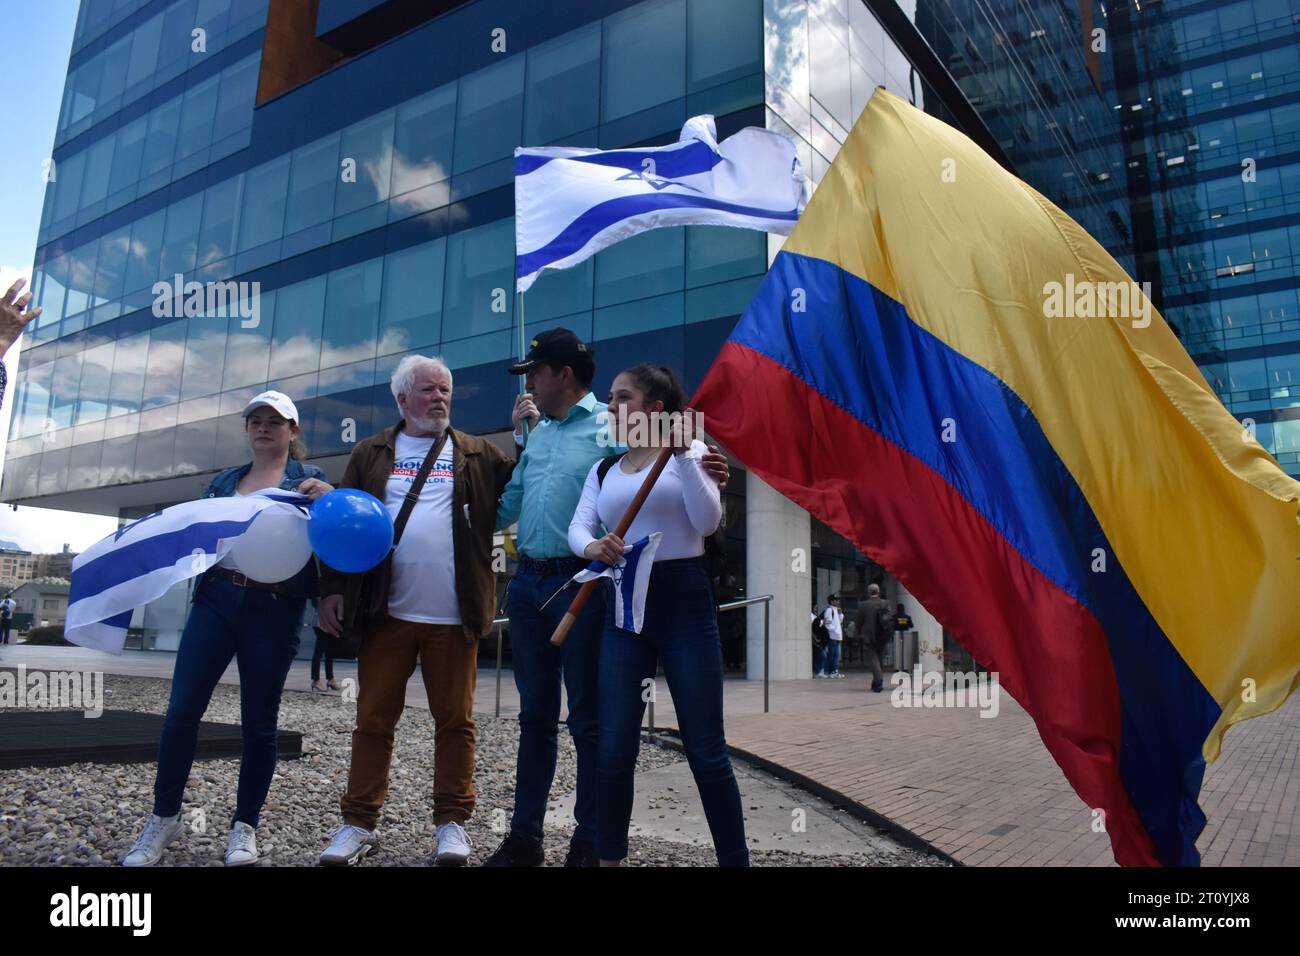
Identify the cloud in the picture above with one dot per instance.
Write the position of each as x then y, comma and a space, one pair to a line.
41, 530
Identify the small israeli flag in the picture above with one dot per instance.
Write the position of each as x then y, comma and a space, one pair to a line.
140, 561
631, 580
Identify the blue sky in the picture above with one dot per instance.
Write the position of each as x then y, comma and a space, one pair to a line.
38, 38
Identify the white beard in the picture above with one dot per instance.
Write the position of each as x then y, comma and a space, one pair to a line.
431, 423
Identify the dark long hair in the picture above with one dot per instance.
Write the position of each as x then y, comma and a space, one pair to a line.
658, 383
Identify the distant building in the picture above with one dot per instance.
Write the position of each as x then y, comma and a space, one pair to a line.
17, 565
46, 603
55, 565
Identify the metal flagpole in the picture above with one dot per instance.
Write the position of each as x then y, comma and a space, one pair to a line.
523, 351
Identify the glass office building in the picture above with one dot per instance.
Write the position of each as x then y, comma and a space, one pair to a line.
353, 159
1207, 99
372, 205
1035, 74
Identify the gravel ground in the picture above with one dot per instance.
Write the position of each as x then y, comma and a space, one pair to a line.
89, 814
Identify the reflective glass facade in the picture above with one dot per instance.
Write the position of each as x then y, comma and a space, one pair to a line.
373, 207
113, 73
1038, 77
824, 59
1208, 102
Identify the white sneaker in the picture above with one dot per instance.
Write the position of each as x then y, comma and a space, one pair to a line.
348, 846
453, 845
242, 848
158, 834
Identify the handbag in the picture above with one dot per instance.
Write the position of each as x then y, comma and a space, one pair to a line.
371, 603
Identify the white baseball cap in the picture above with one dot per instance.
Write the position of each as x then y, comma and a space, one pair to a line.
281, 402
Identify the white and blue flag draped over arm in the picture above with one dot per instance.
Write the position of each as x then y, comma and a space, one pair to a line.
140, 561
571, 203
631, 580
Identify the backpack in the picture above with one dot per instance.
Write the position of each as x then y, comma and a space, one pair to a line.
715, 545
821, 635
884, 624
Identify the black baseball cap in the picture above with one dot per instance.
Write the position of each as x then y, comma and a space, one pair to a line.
555, 345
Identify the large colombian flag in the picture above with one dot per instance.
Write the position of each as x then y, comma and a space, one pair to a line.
1065, 494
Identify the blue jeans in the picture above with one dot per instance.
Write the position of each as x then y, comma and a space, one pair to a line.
833, 657
819, 660
681, 631
260, 630
539, 666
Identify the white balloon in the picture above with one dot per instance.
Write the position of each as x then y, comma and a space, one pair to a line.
274, 548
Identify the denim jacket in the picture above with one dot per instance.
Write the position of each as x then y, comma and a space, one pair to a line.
304, 583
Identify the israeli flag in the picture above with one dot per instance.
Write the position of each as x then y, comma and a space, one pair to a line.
140, 561
631, 580
571, 203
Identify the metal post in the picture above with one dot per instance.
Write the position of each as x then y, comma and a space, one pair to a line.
496, 710
767, 625
766, 601
523, 352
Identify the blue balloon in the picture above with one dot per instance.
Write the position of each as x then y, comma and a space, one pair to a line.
350, 530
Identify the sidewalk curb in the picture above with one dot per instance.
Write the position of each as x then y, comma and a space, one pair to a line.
668, 737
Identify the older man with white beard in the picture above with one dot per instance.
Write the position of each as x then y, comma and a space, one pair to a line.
430, 603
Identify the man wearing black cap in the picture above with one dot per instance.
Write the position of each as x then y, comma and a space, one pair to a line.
570, 433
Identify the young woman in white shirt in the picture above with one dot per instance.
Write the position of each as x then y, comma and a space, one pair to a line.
680, 627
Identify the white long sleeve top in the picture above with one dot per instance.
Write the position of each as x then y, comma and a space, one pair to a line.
684, 504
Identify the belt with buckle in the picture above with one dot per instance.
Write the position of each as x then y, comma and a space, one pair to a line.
552, 566
244, 581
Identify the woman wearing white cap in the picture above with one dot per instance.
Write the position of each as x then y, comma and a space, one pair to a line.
235, 617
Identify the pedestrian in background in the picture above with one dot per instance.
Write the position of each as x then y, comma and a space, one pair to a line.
902, 624
819, 641
876, 625
324, 649
833, 618
6, 618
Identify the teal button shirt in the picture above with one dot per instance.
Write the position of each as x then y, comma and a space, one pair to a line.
544, 490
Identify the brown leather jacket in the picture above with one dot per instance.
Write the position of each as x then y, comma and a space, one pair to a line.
481, 474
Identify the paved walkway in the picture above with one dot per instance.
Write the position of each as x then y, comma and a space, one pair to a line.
984, 791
